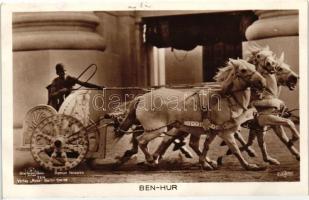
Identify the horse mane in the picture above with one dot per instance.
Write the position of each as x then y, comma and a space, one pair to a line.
255, 49
225, 75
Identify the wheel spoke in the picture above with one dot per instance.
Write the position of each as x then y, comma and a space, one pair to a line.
56, 129
40, 149
44, 135
76, 148
64, 141
74, 136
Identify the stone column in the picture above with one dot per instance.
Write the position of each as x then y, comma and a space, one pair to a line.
279, 30
273, 23
40, 40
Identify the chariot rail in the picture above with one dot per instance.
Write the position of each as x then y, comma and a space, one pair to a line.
208, 85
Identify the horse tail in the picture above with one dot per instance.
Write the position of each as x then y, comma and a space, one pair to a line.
129, 120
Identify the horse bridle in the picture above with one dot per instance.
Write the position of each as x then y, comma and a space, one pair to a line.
264, 64
278, 69
246, 79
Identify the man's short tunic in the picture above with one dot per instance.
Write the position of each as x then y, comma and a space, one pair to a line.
55, 100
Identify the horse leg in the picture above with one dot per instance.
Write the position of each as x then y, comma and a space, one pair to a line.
166, 142
262, 145
194, 143
279, 131
276, 120
229, 139
129, 153
251, 137
143, 141
179, 144
246, 146
205, 162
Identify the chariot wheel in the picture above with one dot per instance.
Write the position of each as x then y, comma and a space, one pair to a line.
33, 117
59, 143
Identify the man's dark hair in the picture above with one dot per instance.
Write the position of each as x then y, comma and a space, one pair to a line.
59, 68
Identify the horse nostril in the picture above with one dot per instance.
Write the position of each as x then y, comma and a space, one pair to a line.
293, 79
260, 84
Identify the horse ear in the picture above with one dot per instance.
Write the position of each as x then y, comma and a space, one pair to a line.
282, 57
232, 61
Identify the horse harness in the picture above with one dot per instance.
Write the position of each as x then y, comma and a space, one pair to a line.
207, 124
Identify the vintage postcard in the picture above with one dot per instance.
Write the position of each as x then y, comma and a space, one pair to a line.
154, 98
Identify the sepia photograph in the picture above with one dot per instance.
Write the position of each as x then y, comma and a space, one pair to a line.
157, 97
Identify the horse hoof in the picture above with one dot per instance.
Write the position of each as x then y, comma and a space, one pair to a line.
254, 167
298, 157
220, 161
152, 166
206, 166
213, 164
272, 161
150, 159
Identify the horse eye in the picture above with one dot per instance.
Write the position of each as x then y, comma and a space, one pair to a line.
268, 63
258, 56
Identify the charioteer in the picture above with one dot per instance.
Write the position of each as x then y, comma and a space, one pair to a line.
62, 86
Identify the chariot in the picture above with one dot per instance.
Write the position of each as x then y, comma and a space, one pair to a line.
61, 140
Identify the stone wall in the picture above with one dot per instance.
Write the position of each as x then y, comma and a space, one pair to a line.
179, 63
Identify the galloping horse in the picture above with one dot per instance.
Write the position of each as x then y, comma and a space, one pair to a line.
267, 64
269, 107
168, 119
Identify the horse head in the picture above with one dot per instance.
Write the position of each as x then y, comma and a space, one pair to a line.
285, 75
264, 60
240, 74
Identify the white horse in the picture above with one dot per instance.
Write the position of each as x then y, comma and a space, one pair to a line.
269, 107
168, 119
276, 73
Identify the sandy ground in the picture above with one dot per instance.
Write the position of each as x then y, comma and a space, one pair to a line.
176, 168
